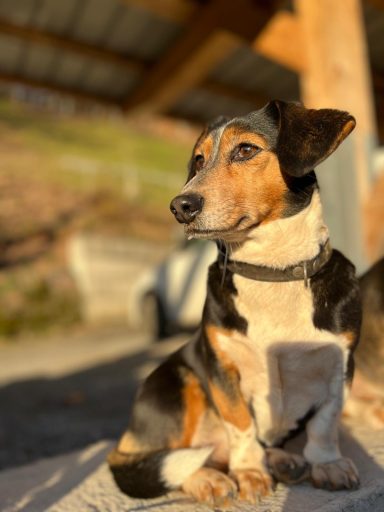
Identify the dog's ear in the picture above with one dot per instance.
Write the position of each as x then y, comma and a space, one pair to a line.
306, 137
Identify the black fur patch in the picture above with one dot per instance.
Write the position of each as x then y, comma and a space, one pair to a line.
299, 194
308, 136
157, 412
219, 308
370, 355
291, 434
336, 299
140, 475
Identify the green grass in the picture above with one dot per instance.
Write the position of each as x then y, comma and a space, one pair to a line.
111, 144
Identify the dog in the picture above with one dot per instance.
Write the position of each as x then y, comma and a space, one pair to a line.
281, 320
367, 393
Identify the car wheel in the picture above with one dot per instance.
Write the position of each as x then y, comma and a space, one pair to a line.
153, 317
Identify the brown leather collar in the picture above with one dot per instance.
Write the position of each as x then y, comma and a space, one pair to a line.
301, 271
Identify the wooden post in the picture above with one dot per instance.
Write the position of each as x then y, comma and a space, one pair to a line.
336, 75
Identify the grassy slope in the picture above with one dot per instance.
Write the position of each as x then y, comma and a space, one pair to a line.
53, 164
103, 150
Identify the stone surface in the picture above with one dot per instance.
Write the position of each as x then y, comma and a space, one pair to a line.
78, 479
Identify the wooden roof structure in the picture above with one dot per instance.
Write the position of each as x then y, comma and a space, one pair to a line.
193, 59
196, 59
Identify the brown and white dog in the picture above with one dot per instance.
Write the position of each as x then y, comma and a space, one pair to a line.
280, 323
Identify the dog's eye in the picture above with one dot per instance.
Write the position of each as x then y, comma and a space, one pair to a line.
245, 151
199, 162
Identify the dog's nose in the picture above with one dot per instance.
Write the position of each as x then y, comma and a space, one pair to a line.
186, 207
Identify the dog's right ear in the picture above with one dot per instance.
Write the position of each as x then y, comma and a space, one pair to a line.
306, 137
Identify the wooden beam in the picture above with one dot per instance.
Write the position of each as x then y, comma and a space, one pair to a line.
378, 87
380, 118
245, 18
378, 81
177, 11
281, 40
338, 76
202, 46
65, 91
62, 43
378, 4
188, 75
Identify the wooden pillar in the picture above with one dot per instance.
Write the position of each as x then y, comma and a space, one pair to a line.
336, 74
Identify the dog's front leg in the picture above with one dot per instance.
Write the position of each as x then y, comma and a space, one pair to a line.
330, 470
246, 458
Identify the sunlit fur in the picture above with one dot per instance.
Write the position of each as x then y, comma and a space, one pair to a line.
269, 356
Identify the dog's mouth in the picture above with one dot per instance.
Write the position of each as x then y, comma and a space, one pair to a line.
234, 232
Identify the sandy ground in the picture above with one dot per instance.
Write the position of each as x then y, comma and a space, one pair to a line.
62, 404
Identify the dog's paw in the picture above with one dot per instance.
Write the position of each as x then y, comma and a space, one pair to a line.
337, 475
211, 486
252, 484
288, 468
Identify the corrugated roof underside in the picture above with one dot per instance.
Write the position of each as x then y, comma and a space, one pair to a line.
131, 31
249, 71
246, 71
113, 25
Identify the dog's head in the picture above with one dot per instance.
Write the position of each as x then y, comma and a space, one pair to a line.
251, 170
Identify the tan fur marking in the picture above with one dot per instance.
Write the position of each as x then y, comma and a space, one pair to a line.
252, 484
210, 486
205, 148
351, 338
233, 135
343, 134
233, 409
129, 444
195, 406
252, 190
213, 332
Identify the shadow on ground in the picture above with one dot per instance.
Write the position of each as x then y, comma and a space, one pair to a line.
50, 416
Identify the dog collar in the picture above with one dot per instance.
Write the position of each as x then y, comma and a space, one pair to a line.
301, 271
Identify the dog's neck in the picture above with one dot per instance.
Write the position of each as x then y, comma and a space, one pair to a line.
286, 241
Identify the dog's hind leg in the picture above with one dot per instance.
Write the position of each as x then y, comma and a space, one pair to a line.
152, 474
172, 434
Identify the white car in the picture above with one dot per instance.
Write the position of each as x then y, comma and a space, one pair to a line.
170, 298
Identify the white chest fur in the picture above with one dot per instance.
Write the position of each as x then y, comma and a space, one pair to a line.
287, 366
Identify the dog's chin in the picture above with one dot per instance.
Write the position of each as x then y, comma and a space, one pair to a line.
237, 233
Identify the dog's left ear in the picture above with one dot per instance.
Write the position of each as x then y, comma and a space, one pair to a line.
307, 136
